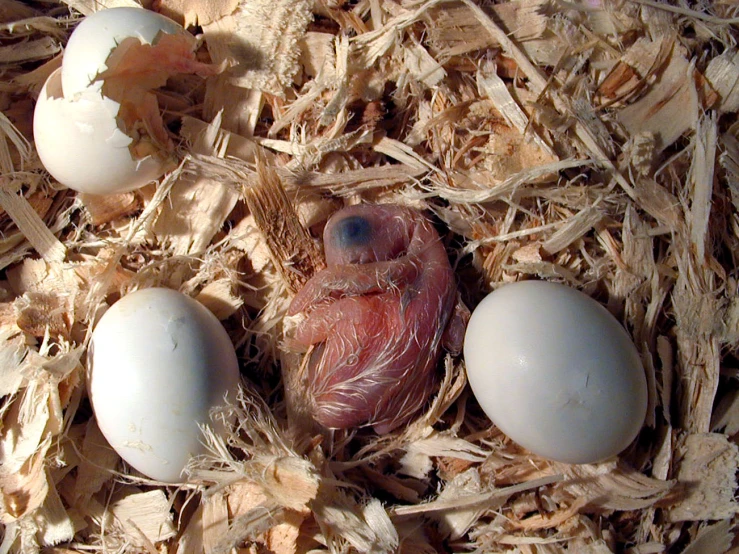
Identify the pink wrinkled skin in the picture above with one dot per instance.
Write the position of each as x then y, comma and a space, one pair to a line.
377, 315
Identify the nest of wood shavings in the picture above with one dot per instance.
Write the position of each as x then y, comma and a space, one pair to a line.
589, 143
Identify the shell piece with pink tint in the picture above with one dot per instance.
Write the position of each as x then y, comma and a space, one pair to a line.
98, 127
377, 317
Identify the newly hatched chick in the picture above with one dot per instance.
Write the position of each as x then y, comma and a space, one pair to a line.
377, 316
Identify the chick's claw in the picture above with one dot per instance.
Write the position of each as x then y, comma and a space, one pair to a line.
377, 316
453, 338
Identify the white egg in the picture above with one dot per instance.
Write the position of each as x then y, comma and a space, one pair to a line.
158, 363
556, 372
98, 34
81, 146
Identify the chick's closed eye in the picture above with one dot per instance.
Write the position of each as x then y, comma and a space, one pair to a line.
352, 231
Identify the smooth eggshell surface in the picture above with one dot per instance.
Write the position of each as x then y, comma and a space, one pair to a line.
80, 144
555, 371
158, 362
98, 34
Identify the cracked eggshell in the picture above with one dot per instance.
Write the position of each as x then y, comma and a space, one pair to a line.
556, 372
98, 34
80, 144
158, 363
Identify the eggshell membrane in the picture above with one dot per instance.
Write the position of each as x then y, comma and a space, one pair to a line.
81, 146
556, 372
98, 34
158, 363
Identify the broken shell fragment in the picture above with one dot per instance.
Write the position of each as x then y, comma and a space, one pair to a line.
98, 127
82, 147
94, 39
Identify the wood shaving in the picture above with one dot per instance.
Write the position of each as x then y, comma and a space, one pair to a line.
260, 40
144, 514
593, 144
707, 467
201, 13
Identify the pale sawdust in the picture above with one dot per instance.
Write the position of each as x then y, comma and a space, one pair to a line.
589, 143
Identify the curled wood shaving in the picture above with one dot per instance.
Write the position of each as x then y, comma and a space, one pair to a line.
97, 463
218, 296
636, 68
539, 84
488, 499
55, 525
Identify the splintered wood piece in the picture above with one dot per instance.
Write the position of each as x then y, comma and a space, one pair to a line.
707, 467
491, 85
214, 521
297, 257
294, 252
13, 350
366, 528
32, 226
23, 478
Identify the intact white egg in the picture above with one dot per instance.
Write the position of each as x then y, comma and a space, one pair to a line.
555, 371
98, 34
158, 363
81, 146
